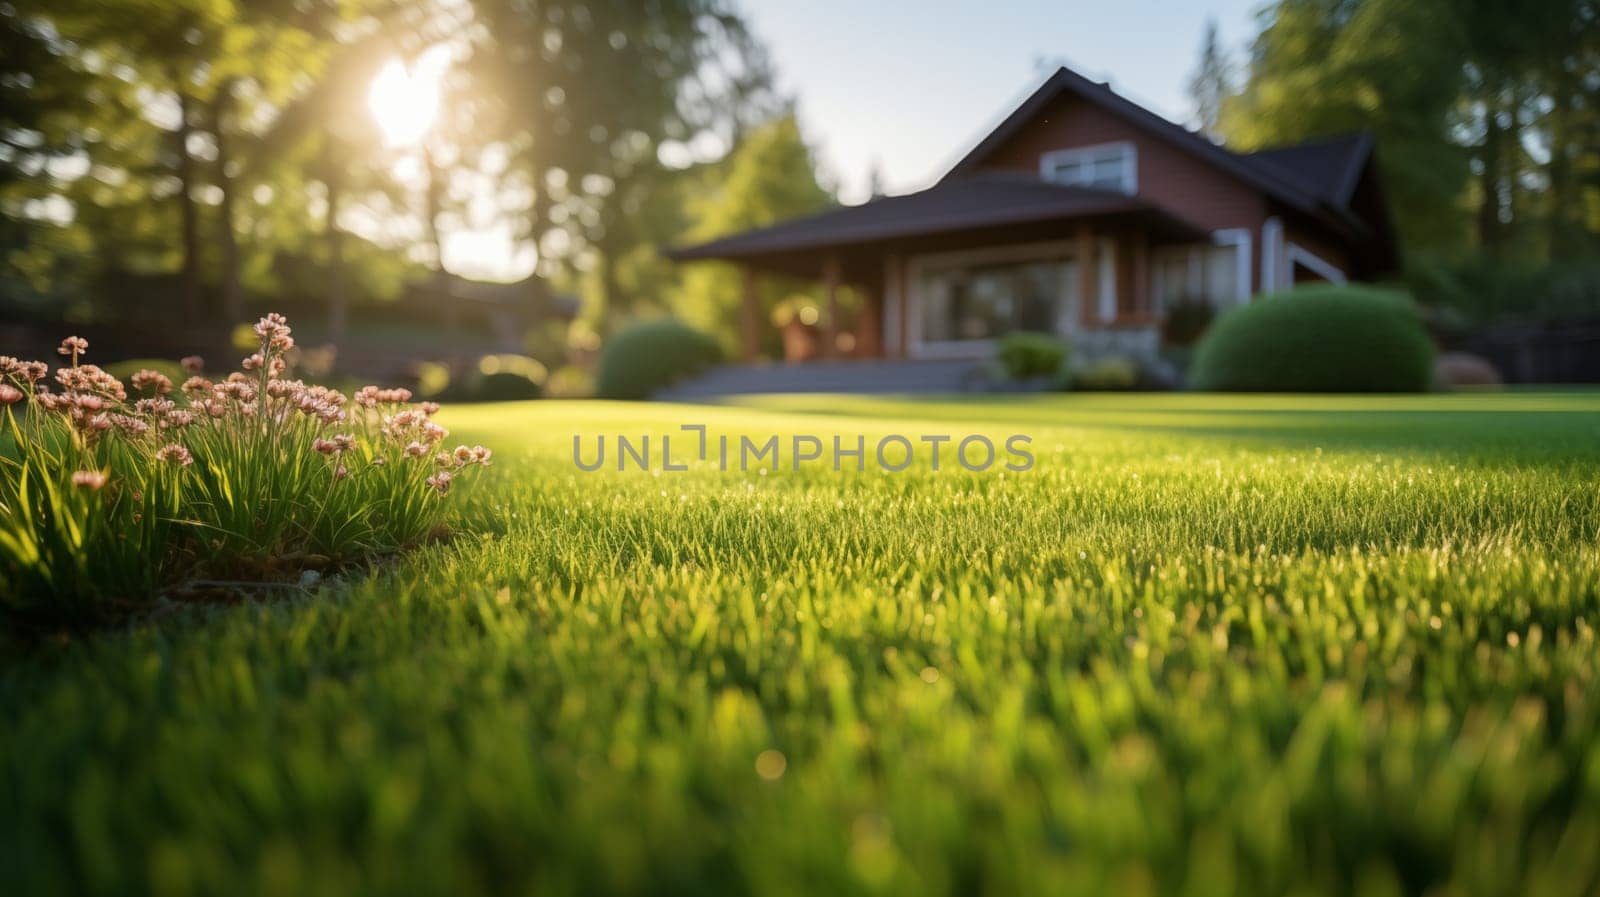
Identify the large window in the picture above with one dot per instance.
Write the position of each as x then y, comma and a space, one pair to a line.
1109, 166
1218, 274
960, 302
983, 302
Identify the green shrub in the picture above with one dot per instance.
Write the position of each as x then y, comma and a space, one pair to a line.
1321, 338
643, 358
1108, 374
1024, 356
503, 386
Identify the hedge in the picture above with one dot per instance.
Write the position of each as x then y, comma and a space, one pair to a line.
1322, 338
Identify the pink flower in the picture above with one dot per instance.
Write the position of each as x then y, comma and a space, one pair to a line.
153, 406
285, 389
416, 449
32, 371
89, 378
73, 346
174, 453
440, 482
340, 473
371, 396
193, 364
131, 426
88, 479
151, 379
428, 408
325, 446
254, 362
273, 331
9, 395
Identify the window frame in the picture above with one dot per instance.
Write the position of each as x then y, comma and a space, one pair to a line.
1193, 257
918, 266
1085, 157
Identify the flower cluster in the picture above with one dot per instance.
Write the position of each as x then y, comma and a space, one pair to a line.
450, 464
94, 405
225, 476
372, 397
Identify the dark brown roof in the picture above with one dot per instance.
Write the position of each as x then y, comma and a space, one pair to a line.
1295, 176
984, 200
1328, 168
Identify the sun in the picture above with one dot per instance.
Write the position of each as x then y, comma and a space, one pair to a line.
405, 101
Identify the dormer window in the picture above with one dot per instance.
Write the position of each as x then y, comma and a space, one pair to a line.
1108, 166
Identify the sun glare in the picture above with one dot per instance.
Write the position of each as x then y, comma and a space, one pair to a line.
404, 101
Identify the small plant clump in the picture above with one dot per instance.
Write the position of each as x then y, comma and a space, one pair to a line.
1024, 355
112, 492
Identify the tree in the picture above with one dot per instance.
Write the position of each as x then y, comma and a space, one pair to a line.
1487, 114
769, 176
616, 82
40, 94
1392, 67
206, 127
1212, 82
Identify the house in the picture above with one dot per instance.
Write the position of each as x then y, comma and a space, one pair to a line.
1081, 214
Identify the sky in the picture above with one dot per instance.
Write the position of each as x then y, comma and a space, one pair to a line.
909, 86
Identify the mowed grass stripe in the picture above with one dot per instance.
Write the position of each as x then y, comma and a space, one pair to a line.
1207, 645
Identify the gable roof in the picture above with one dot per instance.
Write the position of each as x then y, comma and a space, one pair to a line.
1294, 176
1328, 168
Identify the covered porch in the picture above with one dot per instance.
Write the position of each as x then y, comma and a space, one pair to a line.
944, 272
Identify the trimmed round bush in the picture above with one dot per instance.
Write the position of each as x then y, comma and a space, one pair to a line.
504, 386
643, 358
1322, 338
1024, 356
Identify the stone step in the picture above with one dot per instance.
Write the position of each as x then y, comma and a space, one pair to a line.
846, 376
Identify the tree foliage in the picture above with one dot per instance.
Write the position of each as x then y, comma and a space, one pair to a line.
1212, 82
217, 147
771, 175
1487, 114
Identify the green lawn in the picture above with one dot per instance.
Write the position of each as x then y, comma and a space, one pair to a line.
1208, 645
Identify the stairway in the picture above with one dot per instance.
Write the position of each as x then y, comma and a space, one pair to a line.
859, 376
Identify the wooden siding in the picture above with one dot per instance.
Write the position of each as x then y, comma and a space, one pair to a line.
1167, 175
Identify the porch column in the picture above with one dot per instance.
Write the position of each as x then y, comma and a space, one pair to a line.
830, 287
750, 317
1141, 274
869, 326
1088, 278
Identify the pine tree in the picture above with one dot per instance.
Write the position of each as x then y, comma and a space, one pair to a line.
1211, 84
